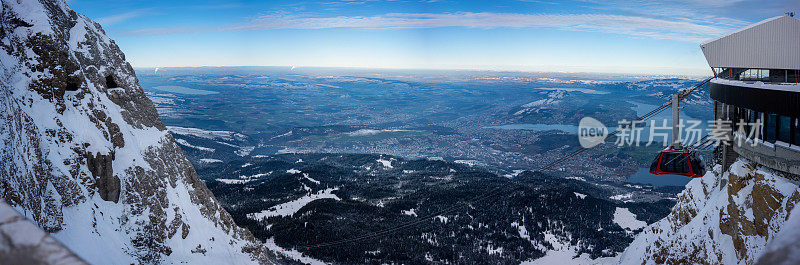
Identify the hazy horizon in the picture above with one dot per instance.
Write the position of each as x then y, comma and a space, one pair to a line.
635, 37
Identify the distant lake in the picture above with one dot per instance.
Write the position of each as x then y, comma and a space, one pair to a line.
537, 127
643, 176
184, 90
642, 108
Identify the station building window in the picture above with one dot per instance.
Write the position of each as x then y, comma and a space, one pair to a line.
770, 124
796, 131
785, 129
763, 75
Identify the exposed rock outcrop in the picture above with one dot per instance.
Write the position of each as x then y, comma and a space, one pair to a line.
84, 155
720, 219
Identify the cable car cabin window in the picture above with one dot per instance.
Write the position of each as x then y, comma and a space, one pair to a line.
770, 126
784, 129
674, 163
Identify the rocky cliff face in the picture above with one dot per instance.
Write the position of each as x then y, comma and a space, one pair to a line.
721, 219
84, 155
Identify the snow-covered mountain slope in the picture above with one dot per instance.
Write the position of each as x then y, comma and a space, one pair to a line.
722, 219
84, 155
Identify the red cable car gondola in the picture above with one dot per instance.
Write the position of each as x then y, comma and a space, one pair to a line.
678, 162
676, 159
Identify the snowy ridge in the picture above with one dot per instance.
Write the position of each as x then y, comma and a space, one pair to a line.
720, 219
86, 158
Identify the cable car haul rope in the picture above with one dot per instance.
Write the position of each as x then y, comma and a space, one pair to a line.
682, 153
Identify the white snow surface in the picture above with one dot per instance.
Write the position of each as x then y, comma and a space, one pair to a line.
306, 176
234, 181
187, 144
209, 160
385, 163
622, 197
290, 208
292, 254
553, 98
367, 132
410, 212
206, 134
627, 220
564, 253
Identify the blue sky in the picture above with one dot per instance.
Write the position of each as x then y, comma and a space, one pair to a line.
653, 37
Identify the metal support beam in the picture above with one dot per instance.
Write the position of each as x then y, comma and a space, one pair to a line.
676, 130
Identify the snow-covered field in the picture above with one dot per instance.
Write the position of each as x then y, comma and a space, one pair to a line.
627, 220
565, 254
187, 144
622, 197
292, 253
206, 134
290, 208
385, 163
366, 132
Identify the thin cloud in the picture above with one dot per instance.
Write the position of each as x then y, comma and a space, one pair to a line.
114, 19
695, 11
638, 26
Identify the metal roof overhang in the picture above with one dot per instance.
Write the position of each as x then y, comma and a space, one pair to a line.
770, 44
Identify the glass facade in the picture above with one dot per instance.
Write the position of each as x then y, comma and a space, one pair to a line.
796, 131
784, 129
770, 122
763, 75
776, 128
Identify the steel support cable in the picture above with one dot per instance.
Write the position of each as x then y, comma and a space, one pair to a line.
497, 189
615, 132
711, 143
681, 96
700, 144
